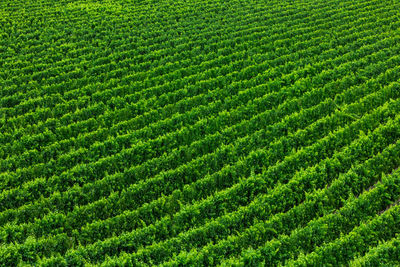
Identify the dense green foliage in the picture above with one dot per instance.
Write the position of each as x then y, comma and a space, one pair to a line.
199, 133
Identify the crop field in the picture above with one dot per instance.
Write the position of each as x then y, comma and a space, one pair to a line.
199, 133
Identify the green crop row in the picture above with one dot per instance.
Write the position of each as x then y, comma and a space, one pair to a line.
199, 133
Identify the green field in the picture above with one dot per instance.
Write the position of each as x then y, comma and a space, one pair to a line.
199, 133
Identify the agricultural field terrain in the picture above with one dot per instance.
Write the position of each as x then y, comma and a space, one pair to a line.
199, 133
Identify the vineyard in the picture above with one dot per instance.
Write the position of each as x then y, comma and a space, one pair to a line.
199, 133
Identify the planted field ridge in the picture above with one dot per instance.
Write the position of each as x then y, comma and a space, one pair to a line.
200, 133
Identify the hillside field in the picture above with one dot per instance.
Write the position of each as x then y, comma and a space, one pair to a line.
199, 133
